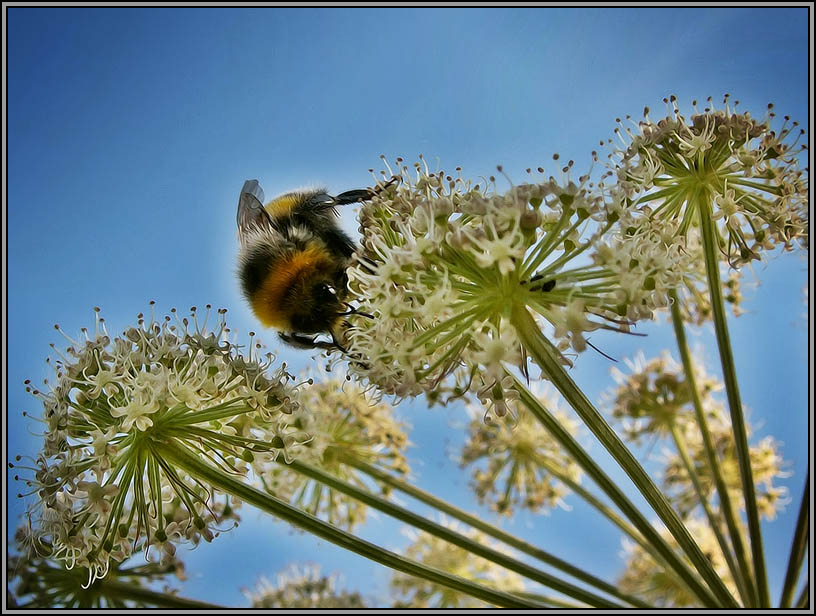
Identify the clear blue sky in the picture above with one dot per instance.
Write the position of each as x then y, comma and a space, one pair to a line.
131, 130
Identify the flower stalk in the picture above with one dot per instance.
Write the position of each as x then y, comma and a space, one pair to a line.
798, 548
214, 477
712, 261
453, 537
546, 357
489, 529
682, 450
713, 462
648, 538
125, 591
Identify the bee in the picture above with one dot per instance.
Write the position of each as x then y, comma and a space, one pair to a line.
292, 262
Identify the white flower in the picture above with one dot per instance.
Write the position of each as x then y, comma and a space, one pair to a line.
447, 265
302, 587
103, 487
748, 171
136, 411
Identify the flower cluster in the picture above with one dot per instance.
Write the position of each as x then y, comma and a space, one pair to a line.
767, 465
655, 399
649, 259
718, 163
446, 266
648, 580
655, 396
121, 414
37, 581
301, 588
349, 426
523, 465
695, 303
429, 550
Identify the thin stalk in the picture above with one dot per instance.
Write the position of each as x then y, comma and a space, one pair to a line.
798, 547
216, 478
727, 508
609, 513
712, 261
713, 522
547, 357
493, 531
552, 601
451, 536
123, 590
804, 596
655, 545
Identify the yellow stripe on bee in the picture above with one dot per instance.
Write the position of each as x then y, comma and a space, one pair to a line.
267, 301
283, 205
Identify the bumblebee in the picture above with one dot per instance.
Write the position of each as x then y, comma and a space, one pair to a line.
292, 262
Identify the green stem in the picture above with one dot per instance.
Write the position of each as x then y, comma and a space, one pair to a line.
657, 549
265, 502
798, 547
618, 521
609, 513
446, 534
123, 590
551, 601
712, 262
548, 358
495, 532
713, 522
804, 596
727, 508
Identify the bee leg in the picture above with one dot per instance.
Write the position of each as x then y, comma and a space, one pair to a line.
354, 310
351, 196
337, 345
356, 196
299, 341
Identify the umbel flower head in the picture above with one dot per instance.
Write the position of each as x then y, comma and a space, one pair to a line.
518, 463
767, 466
37, 581
446, 263
644, 578
120, 407
302, 587
721, 163
348, 426
416, 593
655, 396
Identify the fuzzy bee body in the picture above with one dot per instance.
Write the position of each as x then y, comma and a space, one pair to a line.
292, 262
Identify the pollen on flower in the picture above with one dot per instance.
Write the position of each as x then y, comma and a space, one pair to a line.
102, 487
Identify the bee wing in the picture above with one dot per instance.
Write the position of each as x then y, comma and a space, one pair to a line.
251, 212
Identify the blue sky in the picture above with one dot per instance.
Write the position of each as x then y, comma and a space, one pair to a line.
131, 130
